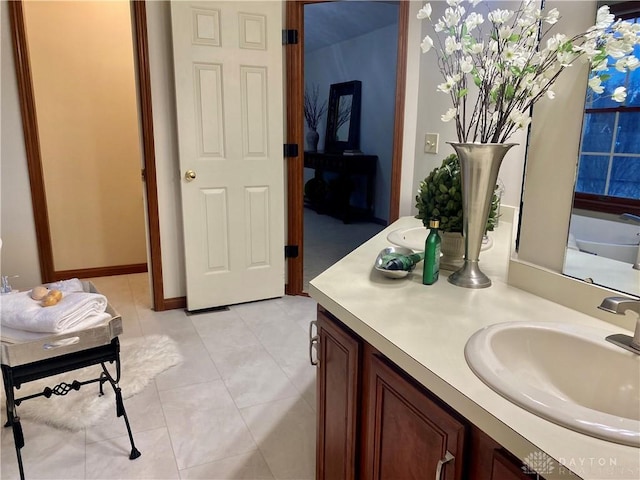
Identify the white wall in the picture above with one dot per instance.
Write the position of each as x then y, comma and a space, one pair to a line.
20, 251
370, 58
83, 76
166, 147
411, 111
17, 228
432, 104
423, 108
553, 156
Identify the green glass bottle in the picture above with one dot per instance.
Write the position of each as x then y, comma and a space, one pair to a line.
432, 254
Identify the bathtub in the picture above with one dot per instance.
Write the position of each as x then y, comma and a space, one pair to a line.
627, 253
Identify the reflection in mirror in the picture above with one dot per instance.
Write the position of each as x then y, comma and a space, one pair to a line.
604, 233
343, 117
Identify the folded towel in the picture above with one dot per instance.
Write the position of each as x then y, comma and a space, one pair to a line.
21, 312
13, 335
71, 285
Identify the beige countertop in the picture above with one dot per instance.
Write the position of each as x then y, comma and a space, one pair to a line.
424, 329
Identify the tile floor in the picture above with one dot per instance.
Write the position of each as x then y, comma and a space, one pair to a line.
240, 406
328, 239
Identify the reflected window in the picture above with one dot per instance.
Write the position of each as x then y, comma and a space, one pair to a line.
609, 163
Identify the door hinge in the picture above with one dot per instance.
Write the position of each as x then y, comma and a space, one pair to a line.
291, 251
290, 37
290, 149
143, 174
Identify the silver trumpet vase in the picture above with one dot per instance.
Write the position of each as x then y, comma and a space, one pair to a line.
479, 167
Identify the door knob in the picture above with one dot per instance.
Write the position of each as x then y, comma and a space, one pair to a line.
190, 175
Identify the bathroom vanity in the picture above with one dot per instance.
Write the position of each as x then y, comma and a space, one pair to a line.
371, 410
396, 398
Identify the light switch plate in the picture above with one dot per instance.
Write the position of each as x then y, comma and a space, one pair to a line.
431, 142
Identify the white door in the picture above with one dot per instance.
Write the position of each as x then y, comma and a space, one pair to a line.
228, 73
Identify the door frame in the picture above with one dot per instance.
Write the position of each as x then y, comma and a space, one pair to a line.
295, 132
34, 159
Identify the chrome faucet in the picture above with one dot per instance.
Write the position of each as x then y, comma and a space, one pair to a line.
619, 305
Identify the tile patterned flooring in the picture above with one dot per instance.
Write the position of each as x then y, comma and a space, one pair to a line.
240, 406
327, 239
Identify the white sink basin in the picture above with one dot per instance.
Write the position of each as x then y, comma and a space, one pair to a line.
415, 237
568, 374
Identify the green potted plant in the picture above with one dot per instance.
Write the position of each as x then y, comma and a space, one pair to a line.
440, 196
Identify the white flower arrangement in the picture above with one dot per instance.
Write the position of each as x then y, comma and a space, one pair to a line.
516, 62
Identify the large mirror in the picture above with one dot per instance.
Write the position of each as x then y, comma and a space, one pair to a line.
604, 232
343, 117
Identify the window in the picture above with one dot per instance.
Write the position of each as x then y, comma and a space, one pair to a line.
609, 163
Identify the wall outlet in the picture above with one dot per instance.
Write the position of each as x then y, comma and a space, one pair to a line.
431, 142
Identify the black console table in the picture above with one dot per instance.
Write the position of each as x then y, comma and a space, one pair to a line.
346, 166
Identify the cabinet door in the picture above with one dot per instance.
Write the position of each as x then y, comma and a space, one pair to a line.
506, 467
489, 461
338, 387
408, 436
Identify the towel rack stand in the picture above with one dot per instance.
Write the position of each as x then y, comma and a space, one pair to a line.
27, 362
15, 376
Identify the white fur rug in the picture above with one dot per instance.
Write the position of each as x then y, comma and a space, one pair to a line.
141, 360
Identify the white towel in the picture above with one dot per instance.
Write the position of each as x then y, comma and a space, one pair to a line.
21, 312
13, 335
71, 285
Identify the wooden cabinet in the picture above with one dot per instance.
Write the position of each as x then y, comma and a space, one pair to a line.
377, 423
488, 460
408, 436
504, 467
338, 387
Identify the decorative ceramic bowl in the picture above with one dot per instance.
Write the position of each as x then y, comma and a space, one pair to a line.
392, 273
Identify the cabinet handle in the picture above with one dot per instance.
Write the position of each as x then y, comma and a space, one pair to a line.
314, 340
447, 458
